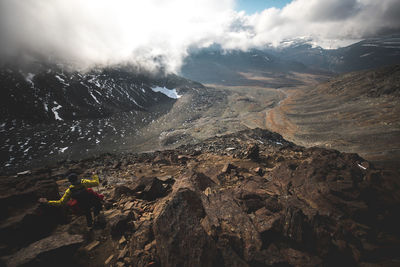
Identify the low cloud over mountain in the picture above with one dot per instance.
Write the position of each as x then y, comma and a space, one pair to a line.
156, 33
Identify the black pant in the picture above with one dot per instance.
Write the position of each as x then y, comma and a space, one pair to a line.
96, 205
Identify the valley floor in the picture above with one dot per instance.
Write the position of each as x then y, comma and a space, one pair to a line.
300, 113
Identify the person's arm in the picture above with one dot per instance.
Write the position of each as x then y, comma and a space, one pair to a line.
90, 183
61, 201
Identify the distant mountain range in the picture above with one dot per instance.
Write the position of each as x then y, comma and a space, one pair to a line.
214, 65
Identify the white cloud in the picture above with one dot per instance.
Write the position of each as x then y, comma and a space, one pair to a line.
102, 31
157, 32
330, 23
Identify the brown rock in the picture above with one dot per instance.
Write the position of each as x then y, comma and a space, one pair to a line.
92, 245
118, 222
259, 171
253, 152
60, 246
22, 221
180, 220
150, 245
122, 240
109, 259
128, 205
142, 236
201, 181
151, 188
227, 168
235, 225
123, 253
265, 221
161, 160
120, 190
295, 225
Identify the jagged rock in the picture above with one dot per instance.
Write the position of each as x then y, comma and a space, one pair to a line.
109, 259
315, 207
253, 192
151, 188
29, 225
139, 240
117, 165
265, 221
235, 226
123, 253
47, 252
122, 240
92, 245
253, 152
181, 240
118, 222
21, 219
142, 236
183, 159
227, 168
150, 245
128, 206
259, 171
128, 261
161, 160
20, 193
120, 190
295, 226
201, 181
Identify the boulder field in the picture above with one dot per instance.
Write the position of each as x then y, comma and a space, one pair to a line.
246, 199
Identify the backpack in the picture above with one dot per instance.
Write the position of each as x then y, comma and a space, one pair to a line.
82, 199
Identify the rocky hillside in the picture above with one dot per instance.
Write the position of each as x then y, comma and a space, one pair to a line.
55, 94
355, 112
50, 113
244, 199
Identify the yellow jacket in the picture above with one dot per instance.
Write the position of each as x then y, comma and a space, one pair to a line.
67, 195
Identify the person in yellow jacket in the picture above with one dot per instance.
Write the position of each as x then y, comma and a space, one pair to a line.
78, 190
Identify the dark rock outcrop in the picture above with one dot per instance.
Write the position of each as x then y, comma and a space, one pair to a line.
21, 219
181, 239
310, 207
50, 250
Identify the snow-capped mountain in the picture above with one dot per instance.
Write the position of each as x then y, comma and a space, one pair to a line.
57, 95
366, 54
214, 65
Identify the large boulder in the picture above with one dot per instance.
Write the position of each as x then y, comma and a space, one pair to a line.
151, 188
227, 221
180, 237
54, 250
21, 220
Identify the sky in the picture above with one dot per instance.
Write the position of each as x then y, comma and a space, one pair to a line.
159, 33
253, 6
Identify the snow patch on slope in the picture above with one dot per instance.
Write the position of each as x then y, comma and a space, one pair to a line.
170, 93
55, 111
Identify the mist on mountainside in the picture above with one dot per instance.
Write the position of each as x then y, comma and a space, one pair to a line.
156, 34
